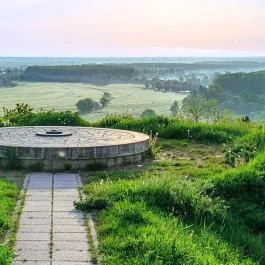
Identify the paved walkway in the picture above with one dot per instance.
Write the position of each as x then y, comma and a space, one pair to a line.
51, 231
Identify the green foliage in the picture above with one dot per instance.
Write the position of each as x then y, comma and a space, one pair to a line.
127, 122
87, 105
136, 212
6, 255
24, 115
174, 108
8, 196
105, 100
243, 93
197, 108
148, 113
11, 114
204, 132
51, 117
189, 209
96, 73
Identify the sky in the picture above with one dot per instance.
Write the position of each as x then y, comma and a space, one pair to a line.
99, 28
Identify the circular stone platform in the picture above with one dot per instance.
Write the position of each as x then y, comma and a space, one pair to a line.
58, 147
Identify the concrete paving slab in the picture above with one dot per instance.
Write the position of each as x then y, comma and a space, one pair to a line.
41, 211
64, 208
37, 208
33, 236
36, 215
35, 221
64, 221
35, 228
33, 245
62, 203
68, 245
80, 256
35, 263
68, 215
79, 237
66, 192
37, 203
66, 198
71, 263
32, 255
39, 193
69, 229
47, 199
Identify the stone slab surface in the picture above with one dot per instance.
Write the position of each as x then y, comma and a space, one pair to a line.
36, 228
69, 229
78, 237
25, 236
32, 245
81, 137
66, 245
71, 263
49, 208
35, 221
71, 255
24, 262
32, 255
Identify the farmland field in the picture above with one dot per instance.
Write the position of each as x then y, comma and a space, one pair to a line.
127, 98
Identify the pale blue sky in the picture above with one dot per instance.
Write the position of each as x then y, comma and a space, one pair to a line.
132, 27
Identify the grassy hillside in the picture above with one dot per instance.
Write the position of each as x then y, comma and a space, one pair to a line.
9, 193
189, 206
63, 96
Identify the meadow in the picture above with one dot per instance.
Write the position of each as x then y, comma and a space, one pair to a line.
63, 96
10, 183
189, 206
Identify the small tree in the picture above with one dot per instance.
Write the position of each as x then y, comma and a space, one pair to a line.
174, 107
87, 105
147, 113
105, 100
198, 108
20, 109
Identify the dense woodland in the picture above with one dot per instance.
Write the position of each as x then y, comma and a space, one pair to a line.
243, 93
80, 73
133, 72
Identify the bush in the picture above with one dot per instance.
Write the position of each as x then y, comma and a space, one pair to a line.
50, 118
87, 105
127, 122
148, 113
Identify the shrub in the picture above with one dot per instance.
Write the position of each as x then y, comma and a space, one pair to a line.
147, 113
51, 117
87, 105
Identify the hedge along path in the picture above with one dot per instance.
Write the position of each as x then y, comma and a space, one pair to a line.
51, 231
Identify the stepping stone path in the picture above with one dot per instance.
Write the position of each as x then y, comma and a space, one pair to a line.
51, 231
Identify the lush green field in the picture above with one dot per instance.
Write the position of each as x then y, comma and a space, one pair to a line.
188, 207
9, 193
63, 96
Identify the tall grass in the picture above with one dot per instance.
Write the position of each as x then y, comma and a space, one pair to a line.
162, 218
8, 196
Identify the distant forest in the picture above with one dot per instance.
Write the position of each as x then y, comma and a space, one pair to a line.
137, 73
243, 93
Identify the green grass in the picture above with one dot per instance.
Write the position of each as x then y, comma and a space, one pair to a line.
63, 96
187, 207
9, 193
